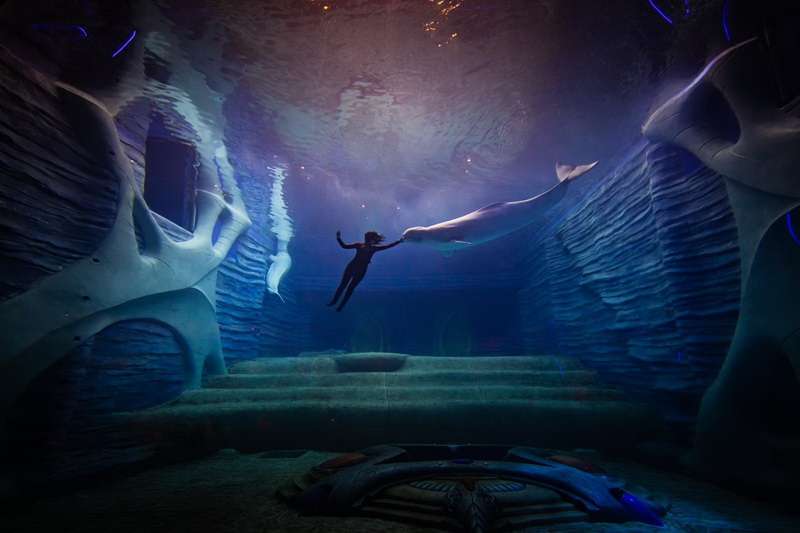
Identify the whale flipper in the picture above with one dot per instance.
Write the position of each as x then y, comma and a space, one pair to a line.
570, 172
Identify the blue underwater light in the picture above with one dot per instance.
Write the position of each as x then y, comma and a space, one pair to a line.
660, 12
641, 510
687, 11
790, 227
725, 13
124, 45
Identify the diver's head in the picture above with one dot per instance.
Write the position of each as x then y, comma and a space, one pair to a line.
415, 234
373, 237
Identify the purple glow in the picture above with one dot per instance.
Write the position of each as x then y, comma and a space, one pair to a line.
687, 9
659, 11
790, 227
725, 13
124, 45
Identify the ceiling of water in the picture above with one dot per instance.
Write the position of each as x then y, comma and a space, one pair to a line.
393, 113
393, 98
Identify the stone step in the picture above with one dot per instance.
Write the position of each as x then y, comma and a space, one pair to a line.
351, 401
543, 378
477, 392
346, 424
404, 363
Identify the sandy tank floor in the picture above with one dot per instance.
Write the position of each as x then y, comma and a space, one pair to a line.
235, 492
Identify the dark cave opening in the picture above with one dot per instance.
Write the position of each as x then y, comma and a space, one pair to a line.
170, 181
64, 426
781, 400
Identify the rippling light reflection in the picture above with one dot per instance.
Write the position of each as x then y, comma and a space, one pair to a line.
443, 9
282, 229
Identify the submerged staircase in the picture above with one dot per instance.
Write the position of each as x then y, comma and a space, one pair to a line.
349, 401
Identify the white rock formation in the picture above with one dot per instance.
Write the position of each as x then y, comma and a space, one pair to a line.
166, 281
761, 165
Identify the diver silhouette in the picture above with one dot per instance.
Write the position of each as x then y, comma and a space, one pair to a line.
357, 268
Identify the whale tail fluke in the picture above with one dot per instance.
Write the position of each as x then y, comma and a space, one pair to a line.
570, 172
276, 293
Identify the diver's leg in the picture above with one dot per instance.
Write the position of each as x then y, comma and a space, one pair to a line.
346, 277
357, 277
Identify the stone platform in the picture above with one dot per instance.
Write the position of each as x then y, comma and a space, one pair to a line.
343, 402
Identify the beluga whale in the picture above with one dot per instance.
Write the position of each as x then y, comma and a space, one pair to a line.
495, 220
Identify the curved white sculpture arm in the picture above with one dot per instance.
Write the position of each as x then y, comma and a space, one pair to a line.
167, 281
761, 167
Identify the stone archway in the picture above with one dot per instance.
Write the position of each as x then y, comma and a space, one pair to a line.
64, 425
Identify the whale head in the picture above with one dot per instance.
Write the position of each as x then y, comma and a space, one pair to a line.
433, 237
417, 234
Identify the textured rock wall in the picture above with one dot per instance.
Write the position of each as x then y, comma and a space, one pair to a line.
133, 122
537, 324
254, 322
62, 426
241, 280
76, 206
56, 205
640, 280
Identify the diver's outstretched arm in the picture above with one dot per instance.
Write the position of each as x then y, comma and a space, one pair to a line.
342, 243
387, 246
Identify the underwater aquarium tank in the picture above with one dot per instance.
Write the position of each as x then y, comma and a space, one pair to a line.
399, 265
